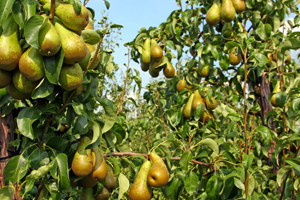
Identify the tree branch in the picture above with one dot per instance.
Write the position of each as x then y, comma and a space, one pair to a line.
162, 116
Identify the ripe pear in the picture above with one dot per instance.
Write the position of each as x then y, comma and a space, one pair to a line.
158, 175
235, 58
181, 84
211, 103
288, 58
89, 181
49, 40
276, 90
16, 94
31, 64
97, 59
156, 51
197, 100
140, 190
204, 72
71, 77
270, 57
5, 77
156, 65
104, 195
82, 164
86, 194
110, 182
67, 14
22, 83
146, 51
239, 5
100, 168
84, 63
89, 26
73, 45
205, 116
187, 109
213, 15
169, 70
227, 11
10, 50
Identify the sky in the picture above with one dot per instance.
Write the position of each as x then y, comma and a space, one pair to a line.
133, 15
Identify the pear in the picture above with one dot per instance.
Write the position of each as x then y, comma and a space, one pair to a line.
158, 175
79, 90
156, 65
140, 190
181, 84
205, 116
211, 103
68, 16
86, 194
71, 77
31, 64
197, 100
16, 94
74, 47
82, 164
239, 5
169, 70
97, 59
204, 72
146, 51
227, 11
104, 195
22, 83
144, 66
89, 26
276, 90
89, 181
100, 168
110, 182
288, 58
5, 77
227, 29
235, 57
84, 63
152, 72
187, 109
213, 15
10, 50
156, 51
49, 40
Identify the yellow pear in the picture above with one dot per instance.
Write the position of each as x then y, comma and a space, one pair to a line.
197, 100
158, 175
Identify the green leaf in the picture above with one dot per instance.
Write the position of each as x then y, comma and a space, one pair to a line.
108, 107
280, 174
265, 133
6, 193
116, 26
264, 31
179, 51
295, 104
43, 89
29, 8
18, 14
53, 66
295, 163
247, 160
32, 30
170, 44
262, 59
290, 43
191, 182
90, 36
81, 125
78, 108
211, 144
213, 187
116, 166
58, 143
239, 184
37, 156
63, 172
108, 124
15, 169
173, 189
5, 8
124, 185
107, 4
251, 185
185, 159
280, 99
41, 172
25, 120
96, 136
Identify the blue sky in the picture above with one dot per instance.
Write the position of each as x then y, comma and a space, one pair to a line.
133, 15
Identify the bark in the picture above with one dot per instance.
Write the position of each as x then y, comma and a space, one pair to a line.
6, 135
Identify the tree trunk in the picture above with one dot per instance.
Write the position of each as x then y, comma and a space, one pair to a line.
6, 135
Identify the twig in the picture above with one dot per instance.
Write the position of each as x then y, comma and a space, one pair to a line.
284, 183
125, 83
39, 190
52, 10
85, 2
121, 154
162, 116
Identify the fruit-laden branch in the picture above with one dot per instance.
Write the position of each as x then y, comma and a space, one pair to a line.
162, 116
121, 154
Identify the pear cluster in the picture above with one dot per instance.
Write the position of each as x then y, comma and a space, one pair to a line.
90, 167
21, 72
225, 11
153, 59
155, 175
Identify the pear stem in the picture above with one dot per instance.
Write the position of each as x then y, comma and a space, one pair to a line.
162, 116
52, 10
121, 154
